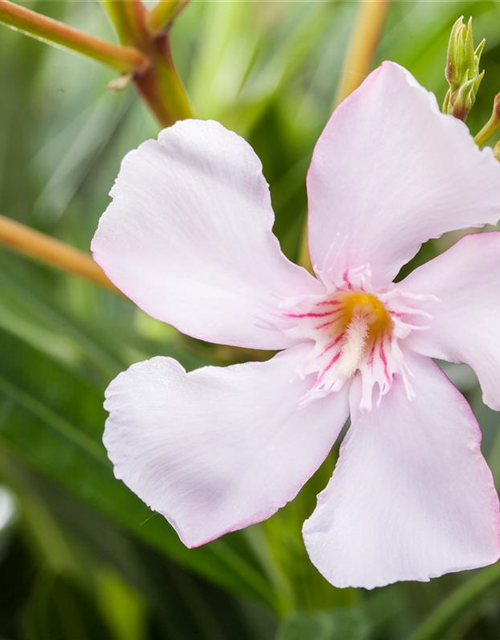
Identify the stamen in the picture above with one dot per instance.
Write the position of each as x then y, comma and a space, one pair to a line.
356, 332
353, 345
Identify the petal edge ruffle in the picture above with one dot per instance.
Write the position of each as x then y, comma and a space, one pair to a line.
188, 237
218, 449
389, 172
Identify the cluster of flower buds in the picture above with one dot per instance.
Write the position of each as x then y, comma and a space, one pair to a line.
462, 70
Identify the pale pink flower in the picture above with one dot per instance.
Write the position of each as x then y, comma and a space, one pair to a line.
188, 237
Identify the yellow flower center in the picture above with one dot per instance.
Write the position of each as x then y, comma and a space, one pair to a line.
362, 319
364, 308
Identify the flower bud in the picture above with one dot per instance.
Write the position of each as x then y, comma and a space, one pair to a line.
462, 70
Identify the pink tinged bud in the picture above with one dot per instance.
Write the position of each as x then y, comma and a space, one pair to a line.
463, 100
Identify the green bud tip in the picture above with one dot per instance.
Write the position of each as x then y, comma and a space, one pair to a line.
462, 70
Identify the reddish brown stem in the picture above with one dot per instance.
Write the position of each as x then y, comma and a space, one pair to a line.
160, 85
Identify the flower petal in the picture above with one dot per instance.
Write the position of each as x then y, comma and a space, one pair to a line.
188, 237
389, 172
412, 497
464, 323
218, 449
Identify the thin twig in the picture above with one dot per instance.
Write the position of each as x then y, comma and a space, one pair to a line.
123, 59
35, 244
129, 18
492, 126
363, 44
164, 12
158, 83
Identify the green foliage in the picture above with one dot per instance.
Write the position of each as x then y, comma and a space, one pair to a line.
84, 558
335, 625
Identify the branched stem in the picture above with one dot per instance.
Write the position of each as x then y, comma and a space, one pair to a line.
152, 69
124, 59
35, 244
138, 17
130, 20
161, 87
158, 83
148, 60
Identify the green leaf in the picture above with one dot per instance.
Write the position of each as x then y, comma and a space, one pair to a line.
59, 609
482, 587
342, 624
53, 420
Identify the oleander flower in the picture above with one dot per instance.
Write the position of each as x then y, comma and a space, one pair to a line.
188, 237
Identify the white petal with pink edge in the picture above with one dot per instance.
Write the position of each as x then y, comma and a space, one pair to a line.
464, 324
390, 172
412, 497
218, 449
188, 237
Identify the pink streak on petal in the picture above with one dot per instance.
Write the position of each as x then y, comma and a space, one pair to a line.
328, 367
345, 278
383, 357
310, 314
371, 355
330, 322
332, 344
329, 303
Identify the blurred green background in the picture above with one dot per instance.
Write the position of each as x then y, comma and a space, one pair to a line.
80, 557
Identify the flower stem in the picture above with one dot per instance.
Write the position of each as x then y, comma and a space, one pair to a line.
362, 46
158, 83
129, 18
124, 59
161, 87
492, 126
120, 19
487, 132
35, 244
164, 12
